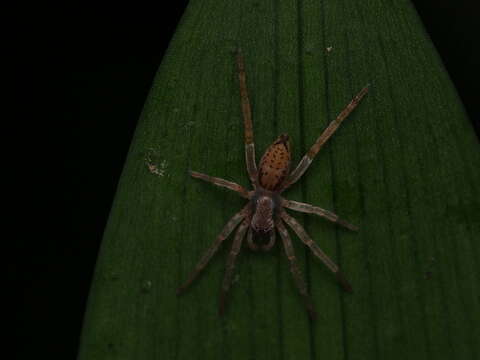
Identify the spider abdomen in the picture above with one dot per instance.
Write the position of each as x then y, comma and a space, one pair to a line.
275, 164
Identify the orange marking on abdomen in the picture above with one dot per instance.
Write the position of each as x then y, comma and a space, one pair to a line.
274, 166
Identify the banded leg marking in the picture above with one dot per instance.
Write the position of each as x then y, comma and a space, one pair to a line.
228, 228
222, 183
323, 138
294, 269
247, 120
230, 266
307, 240
310, 209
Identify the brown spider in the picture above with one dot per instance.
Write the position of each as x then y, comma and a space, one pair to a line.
265, 209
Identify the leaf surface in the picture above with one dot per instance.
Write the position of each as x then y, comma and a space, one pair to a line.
404, 167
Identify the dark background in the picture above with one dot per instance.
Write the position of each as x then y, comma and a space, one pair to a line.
99, 67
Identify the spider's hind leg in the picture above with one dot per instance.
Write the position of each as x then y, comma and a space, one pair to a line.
302, 234
247, 120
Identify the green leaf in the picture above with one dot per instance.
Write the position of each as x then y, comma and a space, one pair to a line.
405, 167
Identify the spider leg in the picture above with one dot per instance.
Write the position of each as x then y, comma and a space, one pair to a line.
310, 209
230, 266
295, 270
228, 228
302, 234
247, 120
222, 183
322, 139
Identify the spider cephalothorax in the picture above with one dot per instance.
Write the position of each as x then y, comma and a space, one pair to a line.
265, 212
262, 219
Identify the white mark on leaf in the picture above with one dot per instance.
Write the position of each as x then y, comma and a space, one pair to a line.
155, 168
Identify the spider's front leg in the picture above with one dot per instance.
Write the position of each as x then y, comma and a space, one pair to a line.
295, 270
229, 227
230, 185
230, 266
247, 121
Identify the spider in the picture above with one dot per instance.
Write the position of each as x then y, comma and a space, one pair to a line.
265, 210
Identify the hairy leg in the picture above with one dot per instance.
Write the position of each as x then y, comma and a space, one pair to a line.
310, 209
247, 120
222, 183
232, 256
302, 234
322, 139
295, 270
228, 228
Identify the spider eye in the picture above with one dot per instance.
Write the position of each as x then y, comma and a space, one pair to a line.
262, 221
